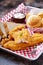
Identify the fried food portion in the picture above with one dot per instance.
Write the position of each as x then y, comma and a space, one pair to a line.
34, 21
5, 39
21, 36
37, 38
14, 46
40, 14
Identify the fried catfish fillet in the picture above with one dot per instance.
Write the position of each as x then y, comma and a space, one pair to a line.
20, 39
5, 39
14, 46
16, 29
20, 34
37, 38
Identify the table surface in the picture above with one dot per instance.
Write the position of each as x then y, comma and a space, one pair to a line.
9, 59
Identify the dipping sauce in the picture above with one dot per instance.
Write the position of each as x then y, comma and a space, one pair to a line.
19, 18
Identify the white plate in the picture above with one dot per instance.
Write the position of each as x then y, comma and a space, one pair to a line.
31, 53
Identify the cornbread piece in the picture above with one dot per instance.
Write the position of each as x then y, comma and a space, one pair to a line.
34, 21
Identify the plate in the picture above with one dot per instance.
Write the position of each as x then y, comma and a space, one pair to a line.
31, 53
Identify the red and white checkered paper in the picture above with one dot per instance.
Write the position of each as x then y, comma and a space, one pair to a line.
31, 53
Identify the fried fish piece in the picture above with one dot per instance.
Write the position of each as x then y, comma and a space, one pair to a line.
20, 34
19, 39
5, 39
37, 38
14, 46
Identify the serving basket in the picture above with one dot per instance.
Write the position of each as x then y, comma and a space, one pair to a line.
31, 53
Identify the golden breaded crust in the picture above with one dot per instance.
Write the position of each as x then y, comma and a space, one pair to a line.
37, 38
21, 35
14, 46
